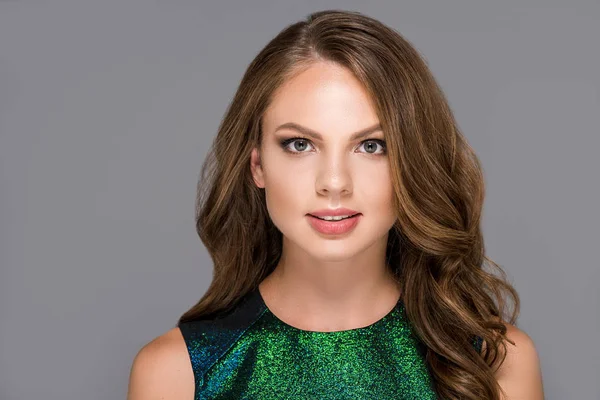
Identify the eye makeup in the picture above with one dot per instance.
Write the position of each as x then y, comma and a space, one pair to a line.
285, 142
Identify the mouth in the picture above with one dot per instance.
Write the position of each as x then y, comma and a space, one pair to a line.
336, 218
334, 226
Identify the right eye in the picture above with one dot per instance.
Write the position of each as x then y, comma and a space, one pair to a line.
285, 143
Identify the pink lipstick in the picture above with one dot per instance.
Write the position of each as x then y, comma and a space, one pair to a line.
350, 219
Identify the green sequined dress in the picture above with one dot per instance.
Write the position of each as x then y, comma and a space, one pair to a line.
249, 353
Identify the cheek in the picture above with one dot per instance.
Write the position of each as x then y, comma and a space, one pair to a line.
377, 193
285, 194
374, 184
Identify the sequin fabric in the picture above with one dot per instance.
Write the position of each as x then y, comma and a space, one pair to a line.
252, 354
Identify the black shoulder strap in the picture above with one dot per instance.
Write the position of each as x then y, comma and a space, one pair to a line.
208, 340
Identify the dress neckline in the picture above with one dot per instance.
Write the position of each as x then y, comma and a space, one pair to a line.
362, 329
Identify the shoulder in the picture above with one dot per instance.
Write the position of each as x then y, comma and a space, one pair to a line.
520, 375
162, 370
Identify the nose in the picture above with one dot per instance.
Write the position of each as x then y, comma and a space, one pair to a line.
334, 179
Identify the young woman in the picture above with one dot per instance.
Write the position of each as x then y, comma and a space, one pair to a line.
341, 206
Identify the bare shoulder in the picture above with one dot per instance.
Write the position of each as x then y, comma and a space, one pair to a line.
520, 374
162, 370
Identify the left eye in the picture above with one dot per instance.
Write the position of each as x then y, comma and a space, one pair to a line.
376, 141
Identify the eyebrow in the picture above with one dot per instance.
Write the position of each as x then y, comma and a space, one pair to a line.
315, 135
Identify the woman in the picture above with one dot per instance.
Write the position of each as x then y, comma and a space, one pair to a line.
342, 212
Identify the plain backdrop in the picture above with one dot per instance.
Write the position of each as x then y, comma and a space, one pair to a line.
107, 110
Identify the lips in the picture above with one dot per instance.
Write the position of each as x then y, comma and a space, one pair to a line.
342, 226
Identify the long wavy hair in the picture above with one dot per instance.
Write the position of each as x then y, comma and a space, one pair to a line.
452, 292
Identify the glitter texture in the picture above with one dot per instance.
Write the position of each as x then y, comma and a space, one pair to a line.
251, 354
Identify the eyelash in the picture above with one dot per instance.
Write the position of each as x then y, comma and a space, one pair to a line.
286, 142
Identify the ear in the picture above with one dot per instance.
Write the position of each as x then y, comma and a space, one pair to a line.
256, 168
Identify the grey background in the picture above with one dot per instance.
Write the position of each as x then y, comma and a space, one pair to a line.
107, 109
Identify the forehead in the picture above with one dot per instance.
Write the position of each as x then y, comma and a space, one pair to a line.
325, 96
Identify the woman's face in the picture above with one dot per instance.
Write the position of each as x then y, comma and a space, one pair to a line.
326, 172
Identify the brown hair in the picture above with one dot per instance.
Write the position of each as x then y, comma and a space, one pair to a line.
435, 248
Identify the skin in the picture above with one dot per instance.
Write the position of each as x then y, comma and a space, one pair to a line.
322, 283
520, 374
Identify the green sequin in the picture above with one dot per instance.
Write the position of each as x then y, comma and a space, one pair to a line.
251, 354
